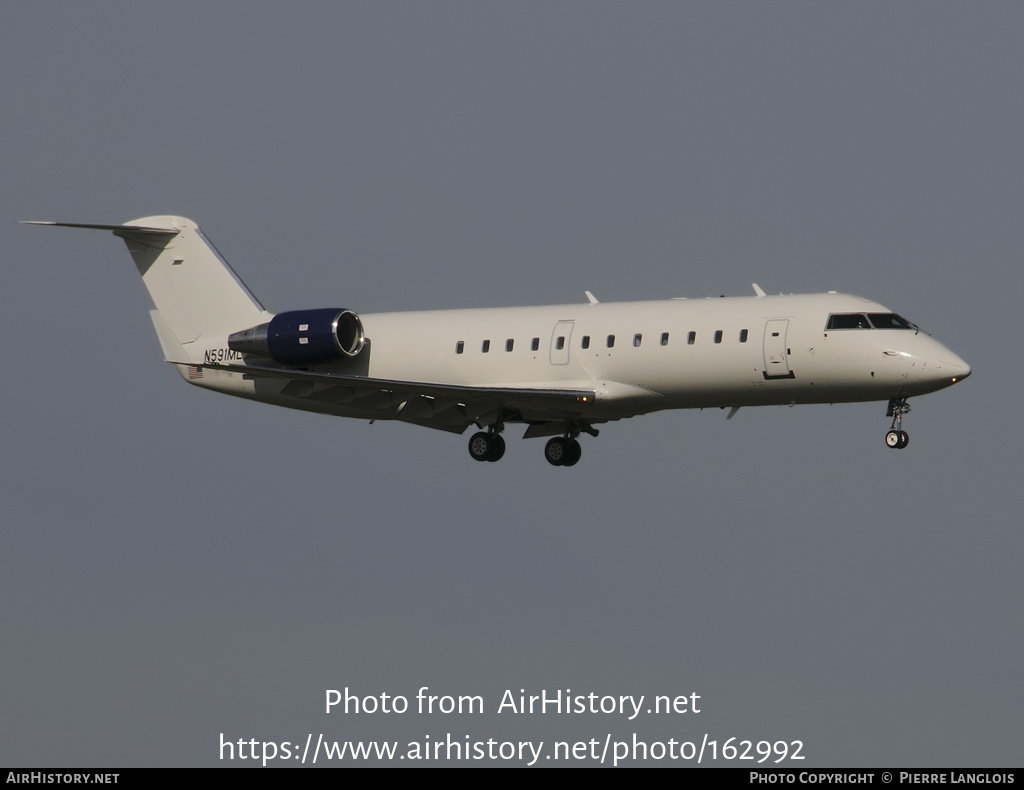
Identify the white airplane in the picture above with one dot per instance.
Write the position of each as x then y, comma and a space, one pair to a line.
560, 370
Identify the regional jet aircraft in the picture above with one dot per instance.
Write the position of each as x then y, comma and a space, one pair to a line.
559, 370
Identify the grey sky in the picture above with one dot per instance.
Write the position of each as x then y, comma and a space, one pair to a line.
178, 564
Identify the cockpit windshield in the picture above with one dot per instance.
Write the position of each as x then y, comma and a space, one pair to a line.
848, 321
889, 321
867, 321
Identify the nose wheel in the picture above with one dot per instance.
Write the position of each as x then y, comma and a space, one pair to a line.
897, 438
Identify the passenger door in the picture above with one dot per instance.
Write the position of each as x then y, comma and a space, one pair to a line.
776, 362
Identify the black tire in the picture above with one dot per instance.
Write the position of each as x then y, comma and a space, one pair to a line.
574, 454
893, 439
481, 446
904, 440
499, 448
556, 451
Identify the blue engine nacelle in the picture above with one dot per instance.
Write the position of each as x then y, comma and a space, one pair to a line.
304, 337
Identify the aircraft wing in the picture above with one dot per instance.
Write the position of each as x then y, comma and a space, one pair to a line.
448, 407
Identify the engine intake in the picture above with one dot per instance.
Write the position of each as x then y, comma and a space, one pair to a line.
303, 337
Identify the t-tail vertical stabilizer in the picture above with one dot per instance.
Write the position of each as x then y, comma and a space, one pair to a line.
198, 297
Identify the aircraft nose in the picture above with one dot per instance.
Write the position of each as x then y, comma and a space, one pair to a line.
953, 367
935, 364
957, 367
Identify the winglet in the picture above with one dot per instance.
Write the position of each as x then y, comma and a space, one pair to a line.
757, 290
591, 297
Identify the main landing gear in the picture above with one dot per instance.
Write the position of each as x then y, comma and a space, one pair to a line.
566, 450
486, 446
560, 451
563, 451
897, 438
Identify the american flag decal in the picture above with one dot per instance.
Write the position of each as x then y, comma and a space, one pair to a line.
194, 372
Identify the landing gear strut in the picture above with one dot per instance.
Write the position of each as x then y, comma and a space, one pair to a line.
897, 438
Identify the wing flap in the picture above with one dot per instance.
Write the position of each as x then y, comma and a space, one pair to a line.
423, 402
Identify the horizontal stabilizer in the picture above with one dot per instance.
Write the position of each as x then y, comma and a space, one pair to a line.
114, 228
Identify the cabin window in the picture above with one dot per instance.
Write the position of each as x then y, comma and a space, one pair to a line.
535, 343
611, 341
664, 338
637, 340
486, 346
848, 321
460, 347
509, 344
560, 342
743, 335
691, 338
585, 342
718, 335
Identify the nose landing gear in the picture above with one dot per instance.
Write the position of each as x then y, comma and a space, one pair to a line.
897, 438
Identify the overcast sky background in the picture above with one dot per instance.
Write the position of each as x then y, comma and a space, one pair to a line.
178, 564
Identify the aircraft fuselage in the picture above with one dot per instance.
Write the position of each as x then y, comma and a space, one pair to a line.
639, 357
